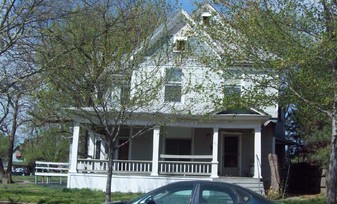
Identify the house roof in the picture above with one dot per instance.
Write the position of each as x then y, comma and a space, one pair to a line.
250, 111
182, 17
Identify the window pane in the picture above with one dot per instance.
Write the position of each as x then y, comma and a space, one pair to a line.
232, 90
177, 195
181, 45
213, 194
173, 75
172, 93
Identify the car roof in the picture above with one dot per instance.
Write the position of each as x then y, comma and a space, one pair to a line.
204, 182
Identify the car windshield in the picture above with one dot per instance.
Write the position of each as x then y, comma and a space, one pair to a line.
168, 195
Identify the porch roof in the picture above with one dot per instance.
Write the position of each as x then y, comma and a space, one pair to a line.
246, 111
248, 117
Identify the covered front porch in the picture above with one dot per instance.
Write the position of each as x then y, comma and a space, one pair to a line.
210, 150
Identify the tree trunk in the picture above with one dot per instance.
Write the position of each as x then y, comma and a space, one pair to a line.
2, 170
109, 174
332, 174
275, 176
5, 175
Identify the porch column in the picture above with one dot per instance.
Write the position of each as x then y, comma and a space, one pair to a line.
257, 152
74, 149
215, 147
155, 151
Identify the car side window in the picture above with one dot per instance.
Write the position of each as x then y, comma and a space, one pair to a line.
181, 195
244, 196
212, 194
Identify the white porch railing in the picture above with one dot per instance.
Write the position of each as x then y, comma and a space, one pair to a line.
125, 166
191, 167
92, 165
185, 167
132, 166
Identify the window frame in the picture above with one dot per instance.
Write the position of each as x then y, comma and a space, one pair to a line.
180, 44
232, 90
173, 82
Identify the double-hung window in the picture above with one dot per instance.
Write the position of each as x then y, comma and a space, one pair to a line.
173, 85
232, 90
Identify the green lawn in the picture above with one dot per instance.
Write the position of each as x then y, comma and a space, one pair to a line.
24, 190
303, 200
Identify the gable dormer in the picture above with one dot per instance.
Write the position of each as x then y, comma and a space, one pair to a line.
205, 14
179, 43
206, 18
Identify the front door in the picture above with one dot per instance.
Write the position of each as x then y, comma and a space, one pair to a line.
231, 155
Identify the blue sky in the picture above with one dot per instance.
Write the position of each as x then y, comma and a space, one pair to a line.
188, 5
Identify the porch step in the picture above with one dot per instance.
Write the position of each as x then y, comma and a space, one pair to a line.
253, 184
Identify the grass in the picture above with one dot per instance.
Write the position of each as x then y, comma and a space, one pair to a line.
24, 190
304, 199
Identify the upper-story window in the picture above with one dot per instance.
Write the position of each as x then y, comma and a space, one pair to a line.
232, 90
180, 44
173, 85
206, 18
118, 93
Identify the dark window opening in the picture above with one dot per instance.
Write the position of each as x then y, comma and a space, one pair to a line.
178, 147
180, 45
98, 149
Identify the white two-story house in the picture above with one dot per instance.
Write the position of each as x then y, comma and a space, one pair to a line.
201, 140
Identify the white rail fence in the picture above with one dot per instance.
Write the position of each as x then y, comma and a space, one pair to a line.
46, 170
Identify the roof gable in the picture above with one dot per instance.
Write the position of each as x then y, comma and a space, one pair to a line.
182, 25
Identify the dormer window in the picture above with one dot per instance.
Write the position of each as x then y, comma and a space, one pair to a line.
206, 18
180, 44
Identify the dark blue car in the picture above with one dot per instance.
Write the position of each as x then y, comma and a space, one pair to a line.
200, 192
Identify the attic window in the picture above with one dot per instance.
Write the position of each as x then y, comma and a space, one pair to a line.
180, 45
206, 18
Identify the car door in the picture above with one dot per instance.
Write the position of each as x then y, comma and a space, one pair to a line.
215, 193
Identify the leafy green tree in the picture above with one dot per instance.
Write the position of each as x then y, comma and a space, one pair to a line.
295, 39
49, 144
105, 42
313, 134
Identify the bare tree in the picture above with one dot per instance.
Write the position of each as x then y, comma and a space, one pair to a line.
20, 25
